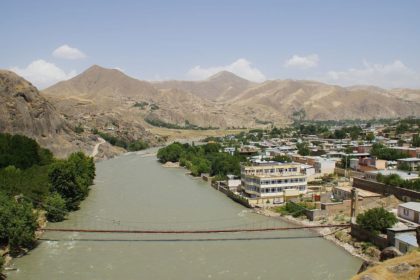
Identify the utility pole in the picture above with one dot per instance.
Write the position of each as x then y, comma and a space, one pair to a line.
353, 207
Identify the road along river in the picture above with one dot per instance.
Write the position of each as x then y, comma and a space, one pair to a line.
134, 191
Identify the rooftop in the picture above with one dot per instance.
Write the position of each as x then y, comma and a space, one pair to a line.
361, 193
412, 206
407, 238
404, 175
412, 159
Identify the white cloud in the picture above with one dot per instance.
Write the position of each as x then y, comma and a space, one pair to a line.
67, 52
302, 62
395, 74
42, 73
240, 67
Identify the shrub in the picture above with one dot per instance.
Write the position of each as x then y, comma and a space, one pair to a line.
376, 220
55, 206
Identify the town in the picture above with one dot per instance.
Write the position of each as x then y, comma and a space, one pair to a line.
309, 173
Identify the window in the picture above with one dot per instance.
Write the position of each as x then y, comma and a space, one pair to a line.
406, 212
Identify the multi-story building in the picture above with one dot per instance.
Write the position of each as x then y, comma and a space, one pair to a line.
273, 182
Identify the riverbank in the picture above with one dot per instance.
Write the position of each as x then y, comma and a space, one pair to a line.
346, 241
351, 246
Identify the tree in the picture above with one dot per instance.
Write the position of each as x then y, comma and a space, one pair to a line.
370, 137
404, 166
170, 153
339, 134
303, 148
19, 151
71, 178
376, 220
402, 128
55, 206
138, 145
17, 224
416, 140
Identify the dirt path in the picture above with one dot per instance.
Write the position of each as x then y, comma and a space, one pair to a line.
96, 148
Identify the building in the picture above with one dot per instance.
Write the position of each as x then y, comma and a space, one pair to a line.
229, 150
410, 211
344, 193
371, 175
413, 163
324, 166
370, 163
412, 152
273, 182
406, 242
233, 183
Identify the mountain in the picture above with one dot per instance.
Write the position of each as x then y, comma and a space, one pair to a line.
99, 82
24, 111
323, 101
219, 87
105, 98
109, 100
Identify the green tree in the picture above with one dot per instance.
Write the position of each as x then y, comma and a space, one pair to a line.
370, 137
303, 148
17, 224
138, 145
402, 128
19, 151
170, 153
376, 220
71, 178
56, 208
416, 140
339, 134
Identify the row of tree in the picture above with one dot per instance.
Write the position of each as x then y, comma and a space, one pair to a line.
32, 180
206, 158
383, 152
397, 181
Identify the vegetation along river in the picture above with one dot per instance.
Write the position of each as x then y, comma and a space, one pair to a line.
135, 192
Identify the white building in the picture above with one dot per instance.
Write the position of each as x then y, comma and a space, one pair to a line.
406, 242
272, 181
410, 211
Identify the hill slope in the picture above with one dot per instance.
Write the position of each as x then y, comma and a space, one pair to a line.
24, 111
105, 96
219, 87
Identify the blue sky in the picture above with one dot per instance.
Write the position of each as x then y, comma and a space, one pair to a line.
340, 42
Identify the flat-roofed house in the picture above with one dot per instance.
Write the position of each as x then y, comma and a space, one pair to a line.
413, 163
410, 211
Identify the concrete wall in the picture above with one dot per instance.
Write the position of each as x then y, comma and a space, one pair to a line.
364, 235
315, 214
350, 173
385, 190
337, 207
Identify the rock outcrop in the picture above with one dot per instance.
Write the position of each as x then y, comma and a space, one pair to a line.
24, 111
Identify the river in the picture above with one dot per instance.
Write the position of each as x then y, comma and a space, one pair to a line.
134, 192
